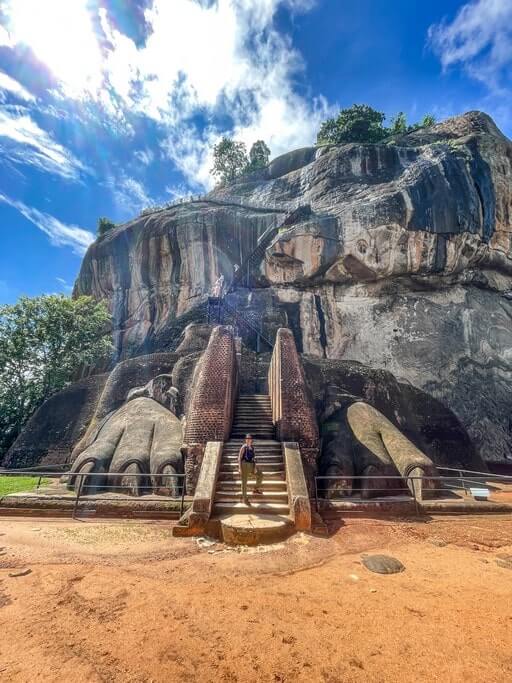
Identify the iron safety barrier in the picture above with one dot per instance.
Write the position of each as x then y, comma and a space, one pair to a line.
154, 487
459, 479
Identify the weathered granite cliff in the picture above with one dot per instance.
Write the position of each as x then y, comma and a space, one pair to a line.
402, 261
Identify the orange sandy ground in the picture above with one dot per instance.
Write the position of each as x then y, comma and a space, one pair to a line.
124, 601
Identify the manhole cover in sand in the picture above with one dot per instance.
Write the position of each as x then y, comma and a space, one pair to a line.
382, 564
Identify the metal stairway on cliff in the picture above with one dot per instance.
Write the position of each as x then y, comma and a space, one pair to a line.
219, 310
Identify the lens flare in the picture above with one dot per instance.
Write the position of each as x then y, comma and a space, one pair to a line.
61, 35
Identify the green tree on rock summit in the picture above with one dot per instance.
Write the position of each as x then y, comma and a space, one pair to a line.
363, 124
231, 160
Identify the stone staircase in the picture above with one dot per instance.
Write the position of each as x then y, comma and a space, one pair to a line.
253, 415
267, 515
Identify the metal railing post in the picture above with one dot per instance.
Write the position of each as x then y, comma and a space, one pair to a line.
316, 494
78, 490
182, 504
414, 495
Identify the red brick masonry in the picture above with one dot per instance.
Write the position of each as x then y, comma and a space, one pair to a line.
210, 414
293, 412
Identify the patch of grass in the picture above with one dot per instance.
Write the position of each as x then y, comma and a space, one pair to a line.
19, 484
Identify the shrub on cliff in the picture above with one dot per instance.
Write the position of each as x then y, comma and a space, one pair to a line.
362, 123
43, 342
259, 156
104, 225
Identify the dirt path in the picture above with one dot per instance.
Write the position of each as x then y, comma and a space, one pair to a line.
126, 602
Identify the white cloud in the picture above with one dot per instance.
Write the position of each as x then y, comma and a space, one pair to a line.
29, 144
130, 195
66, 287
60, 234
9, 85
222, 63
145, 156
479, 39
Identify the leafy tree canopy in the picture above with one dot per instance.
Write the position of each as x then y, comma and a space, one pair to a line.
362, 123
104, 225
231, 160
43, 342
259, 156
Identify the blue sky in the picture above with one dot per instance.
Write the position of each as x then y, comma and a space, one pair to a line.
109, 106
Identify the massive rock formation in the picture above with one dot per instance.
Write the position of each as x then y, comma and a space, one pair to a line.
403, 262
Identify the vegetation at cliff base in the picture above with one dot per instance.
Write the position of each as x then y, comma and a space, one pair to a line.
230, 159
44, 341
104, 225
361, 123
9, 484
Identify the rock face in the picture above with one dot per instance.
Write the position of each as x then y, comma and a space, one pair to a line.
402, 263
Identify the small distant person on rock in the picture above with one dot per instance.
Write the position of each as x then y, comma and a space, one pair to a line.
218, 287
247, 465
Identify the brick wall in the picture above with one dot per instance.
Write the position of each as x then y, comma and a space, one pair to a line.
293, 412
214, 391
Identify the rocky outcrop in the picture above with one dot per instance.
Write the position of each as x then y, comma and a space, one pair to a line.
403, 262
53, 430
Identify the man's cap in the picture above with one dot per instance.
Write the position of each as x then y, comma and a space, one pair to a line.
248, 436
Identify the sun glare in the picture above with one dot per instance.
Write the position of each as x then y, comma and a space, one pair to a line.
61, 35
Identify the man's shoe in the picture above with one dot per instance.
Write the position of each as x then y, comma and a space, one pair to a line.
258, 492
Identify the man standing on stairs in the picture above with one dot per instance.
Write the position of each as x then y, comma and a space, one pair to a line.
247, 464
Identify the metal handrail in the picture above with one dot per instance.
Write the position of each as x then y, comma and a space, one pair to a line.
408, 491
488, 475
82, 476
246, 321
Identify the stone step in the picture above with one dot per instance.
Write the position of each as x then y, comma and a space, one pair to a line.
252, 410
254, 432
256, 422
256, 442
233, 475
267, 465
241, 508
266, 484
260, 462
223, 496
260, 455
252, 417
262, 445
258, 404
235, 448
255, 528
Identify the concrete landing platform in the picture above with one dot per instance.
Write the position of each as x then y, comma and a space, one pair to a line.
255, 529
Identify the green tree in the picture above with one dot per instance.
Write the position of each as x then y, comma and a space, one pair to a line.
259, 156
399, 124
230, 159
359, 123
104, 225
427, 121
43, 342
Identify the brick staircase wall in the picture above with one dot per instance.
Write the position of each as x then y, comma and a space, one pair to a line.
215, 388
293, 412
